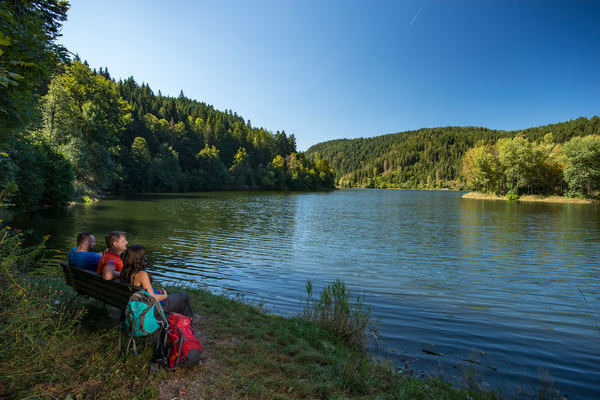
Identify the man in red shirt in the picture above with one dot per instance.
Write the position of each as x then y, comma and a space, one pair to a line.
110, 265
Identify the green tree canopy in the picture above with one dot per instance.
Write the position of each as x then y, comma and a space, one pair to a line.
84, 115
212, 169
140, 152
582, 172
241, 172
481, 167
28, 55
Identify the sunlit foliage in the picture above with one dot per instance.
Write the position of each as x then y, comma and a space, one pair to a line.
84, 115
582, 172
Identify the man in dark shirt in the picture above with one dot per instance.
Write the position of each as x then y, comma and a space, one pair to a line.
82, 256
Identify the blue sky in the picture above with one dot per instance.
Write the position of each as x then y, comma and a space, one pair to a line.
343, 69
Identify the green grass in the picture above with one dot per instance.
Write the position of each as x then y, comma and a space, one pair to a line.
51, 347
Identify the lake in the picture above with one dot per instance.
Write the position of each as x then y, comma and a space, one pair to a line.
501, 294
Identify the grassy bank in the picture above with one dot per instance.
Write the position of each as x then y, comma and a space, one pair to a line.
531, 198
59, 346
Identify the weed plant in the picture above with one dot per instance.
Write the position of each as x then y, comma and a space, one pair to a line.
337, 312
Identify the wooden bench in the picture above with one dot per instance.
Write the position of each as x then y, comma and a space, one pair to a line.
91, 284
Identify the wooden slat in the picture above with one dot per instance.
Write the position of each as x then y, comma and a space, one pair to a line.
91, 284
124, 293
103, 291
119, 303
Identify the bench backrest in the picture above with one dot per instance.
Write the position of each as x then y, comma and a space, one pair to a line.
91, 284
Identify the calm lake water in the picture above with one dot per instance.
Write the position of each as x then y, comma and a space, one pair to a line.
508, 293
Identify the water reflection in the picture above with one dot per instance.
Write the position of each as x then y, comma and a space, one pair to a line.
534, 256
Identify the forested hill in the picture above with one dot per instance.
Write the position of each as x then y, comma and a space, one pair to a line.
429, 157
68, 131
97, 135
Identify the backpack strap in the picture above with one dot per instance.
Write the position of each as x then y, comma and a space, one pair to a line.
130, 321
181, 340
161, 312
163, 318
196, 335
141, 319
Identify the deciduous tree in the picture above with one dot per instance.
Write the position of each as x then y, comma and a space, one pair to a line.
582, 171
84, 114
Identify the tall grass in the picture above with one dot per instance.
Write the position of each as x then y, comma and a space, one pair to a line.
336, 311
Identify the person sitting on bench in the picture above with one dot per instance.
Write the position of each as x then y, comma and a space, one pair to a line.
82, 255
110, 264
134, 272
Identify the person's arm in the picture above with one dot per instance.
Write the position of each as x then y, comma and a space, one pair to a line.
144, 280
109, 273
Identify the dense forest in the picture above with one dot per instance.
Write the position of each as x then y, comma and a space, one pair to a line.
69, 131
435, 158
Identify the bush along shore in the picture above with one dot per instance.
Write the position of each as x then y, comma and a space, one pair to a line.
530, 198
57, 345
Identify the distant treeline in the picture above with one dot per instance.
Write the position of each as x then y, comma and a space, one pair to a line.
69, 131
433, 158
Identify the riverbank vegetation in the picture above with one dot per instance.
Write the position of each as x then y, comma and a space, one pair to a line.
454, 158
530, 198
54, 344
70, 131
515, 166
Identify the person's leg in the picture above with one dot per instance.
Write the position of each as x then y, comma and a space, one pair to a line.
179, 303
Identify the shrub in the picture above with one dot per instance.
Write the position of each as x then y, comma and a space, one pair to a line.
336, 312
582, 172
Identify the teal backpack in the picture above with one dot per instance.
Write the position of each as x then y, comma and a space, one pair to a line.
143, 317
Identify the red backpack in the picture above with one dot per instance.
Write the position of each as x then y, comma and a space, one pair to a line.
184, 343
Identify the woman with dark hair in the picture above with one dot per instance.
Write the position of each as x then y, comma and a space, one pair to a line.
134, 272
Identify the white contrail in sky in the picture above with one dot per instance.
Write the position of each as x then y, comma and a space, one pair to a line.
418, 13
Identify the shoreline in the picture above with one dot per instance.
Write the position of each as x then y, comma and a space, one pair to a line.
530, 198
401, 188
